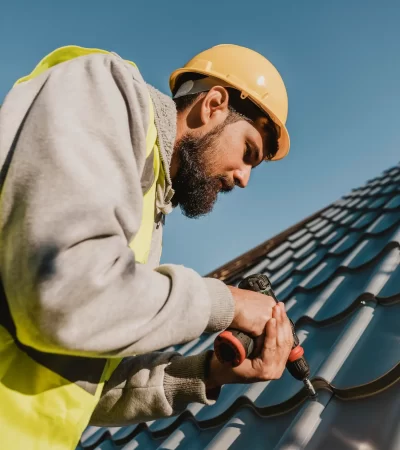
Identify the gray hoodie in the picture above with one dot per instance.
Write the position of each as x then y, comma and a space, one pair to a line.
72, 151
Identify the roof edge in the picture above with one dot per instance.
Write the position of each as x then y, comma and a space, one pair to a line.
229, 270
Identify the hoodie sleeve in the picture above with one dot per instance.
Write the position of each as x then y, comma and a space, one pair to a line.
152, 386
71, 202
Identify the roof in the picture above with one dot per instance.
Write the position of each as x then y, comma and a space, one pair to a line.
339, 274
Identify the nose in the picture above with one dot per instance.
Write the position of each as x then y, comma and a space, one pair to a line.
242, 176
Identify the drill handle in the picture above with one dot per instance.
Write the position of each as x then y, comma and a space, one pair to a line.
296, 341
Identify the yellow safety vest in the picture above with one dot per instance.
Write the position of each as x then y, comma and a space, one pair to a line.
46, 400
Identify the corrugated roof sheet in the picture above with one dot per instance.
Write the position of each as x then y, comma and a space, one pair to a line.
339, 275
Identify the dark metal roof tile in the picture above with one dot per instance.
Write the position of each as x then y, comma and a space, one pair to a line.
374, 182
331, 300
392, 171
300, 242
346, 289
386, 180
389, 189
365, 220
314, 222
121, 433
305, 250
188, 436
298, 234
324, 231
144, 440
248, 430
364, 204
280, 260
384, 222
376, 351
261, 267
346, 243
312, 260
284, 289
340, 216
279, 276
329, 213
318, 226
394, 203
369, 248
280, 249
92, 435
392, 287
335, 236
378, 202
321, 273
342, 202
108, 444
354, 203
376, 190
350, 425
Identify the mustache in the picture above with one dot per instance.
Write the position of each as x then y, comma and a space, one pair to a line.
227, 185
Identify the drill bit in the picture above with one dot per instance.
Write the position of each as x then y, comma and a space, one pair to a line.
312, 393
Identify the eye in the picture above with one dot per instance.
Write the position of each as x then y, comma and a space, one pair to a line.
247, 157
252, 156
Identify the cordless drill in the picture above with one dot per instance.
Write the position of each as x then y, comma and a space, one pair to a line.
233, 346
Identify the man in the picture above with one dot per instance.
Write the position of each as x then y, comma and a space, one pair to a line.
92, 159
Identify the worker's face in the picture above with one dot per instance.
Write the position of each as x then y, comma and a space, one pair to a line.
215, 157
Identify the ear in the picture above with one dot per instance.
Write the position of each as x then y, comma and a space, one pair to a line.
214, 106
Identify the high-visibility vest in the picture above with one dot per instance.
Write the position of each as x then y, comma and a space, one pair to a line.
46, 400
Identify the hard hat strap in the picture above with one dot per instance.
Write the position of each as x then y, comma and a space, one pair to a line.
191, 87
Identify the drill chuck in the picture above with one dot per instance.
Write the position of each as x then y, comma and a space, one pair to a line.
233, 346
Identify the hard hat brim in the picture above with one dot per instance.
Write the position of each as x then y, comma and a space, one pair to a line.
283, 141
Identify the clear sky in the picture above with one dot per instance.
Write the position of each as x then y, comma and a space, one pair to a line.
340, 61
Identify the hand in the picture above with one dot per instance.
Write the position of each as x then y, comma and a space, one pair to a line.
252, 311
269, 364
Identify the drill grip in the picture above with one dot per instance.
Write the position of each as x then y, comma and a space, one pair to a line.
296, 341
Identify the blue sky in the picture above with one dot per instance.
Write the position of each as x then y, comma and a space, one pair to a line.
341, 65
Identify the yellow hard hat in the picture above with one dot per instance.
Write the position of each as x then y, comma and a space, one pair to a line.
252, 74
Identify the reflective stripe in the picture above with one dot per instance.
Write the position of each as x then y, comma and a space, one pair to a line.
46, 400
61, 55
141, 243
85, 372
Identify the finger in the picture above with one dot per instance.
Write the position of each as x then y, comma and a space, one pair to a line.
287, 327
270, 340
276, 313
281, 338
289, 332
281, 306
283, 310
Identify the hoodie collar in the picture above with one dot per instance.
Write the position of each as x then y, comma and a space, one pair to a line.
165, 121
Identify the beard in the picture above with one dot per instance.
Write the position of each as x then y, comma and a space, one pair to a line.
196, 191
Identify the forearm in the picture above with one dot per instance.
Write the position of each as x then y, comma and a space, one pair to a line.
153, 386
